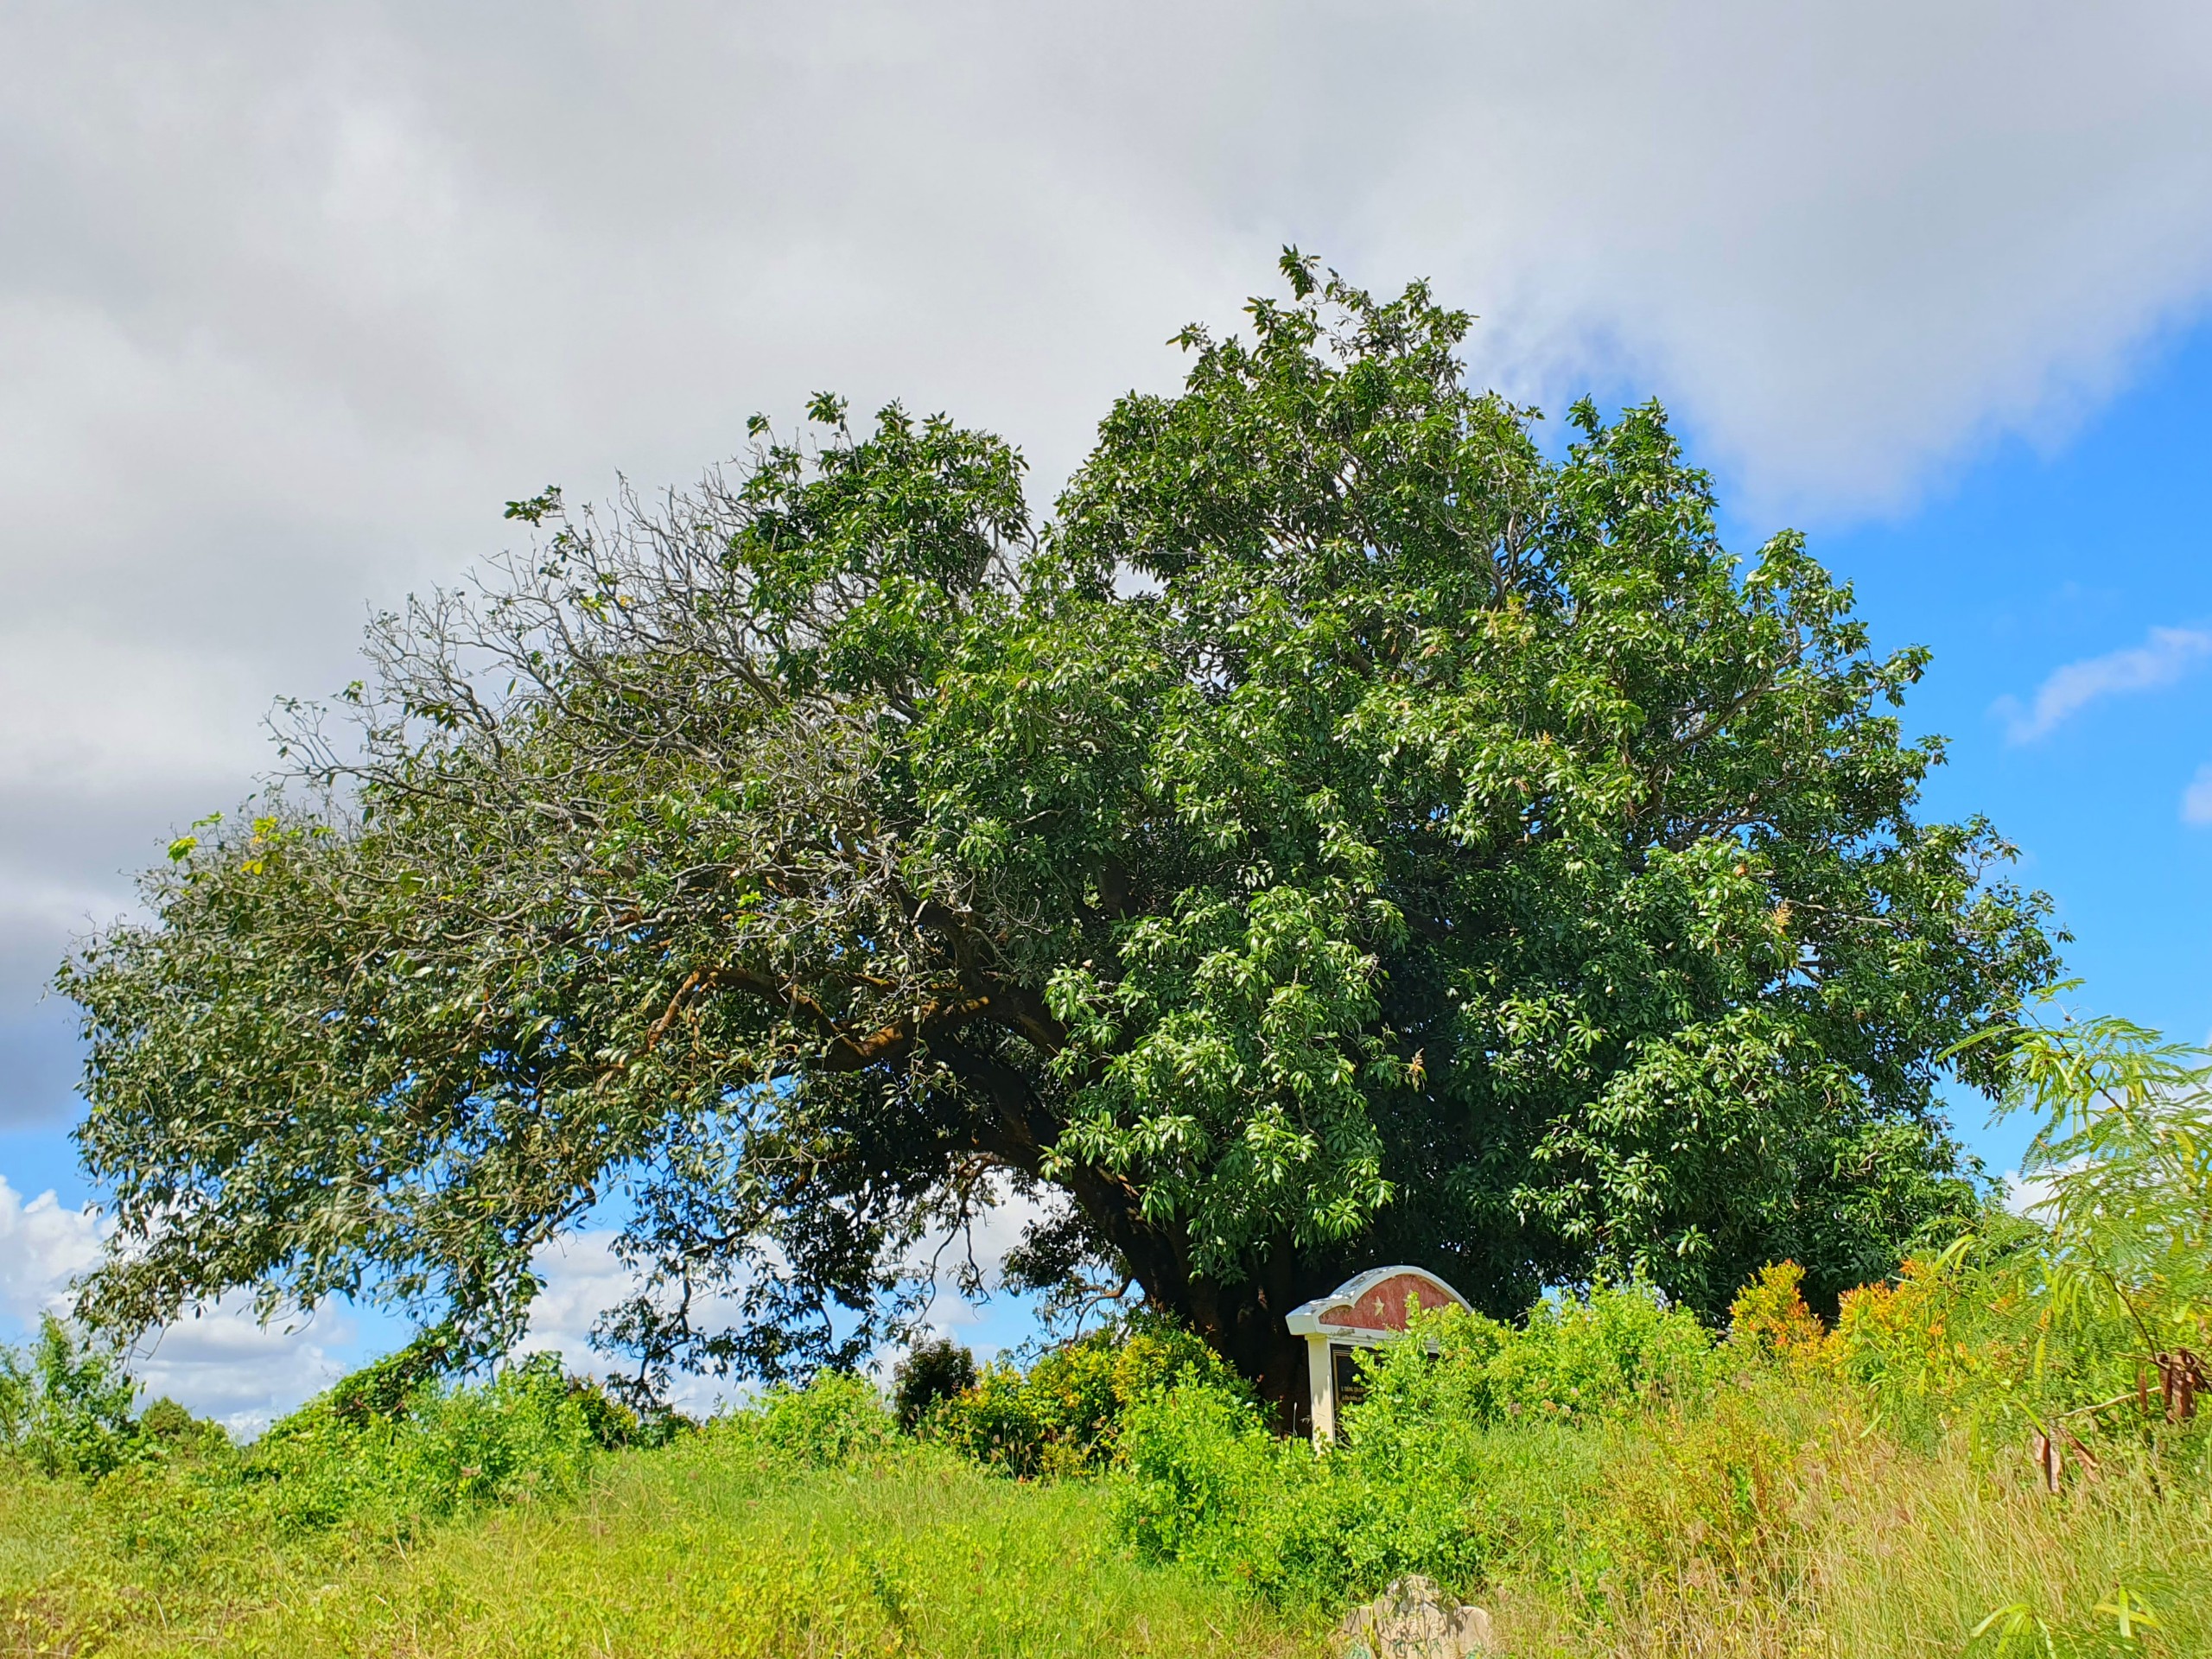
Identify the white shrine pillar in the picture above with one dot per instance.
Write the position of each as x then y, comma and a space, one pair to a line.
1321, 1388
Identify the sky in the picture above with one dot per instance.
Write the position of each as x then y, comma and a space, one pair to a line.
293, 299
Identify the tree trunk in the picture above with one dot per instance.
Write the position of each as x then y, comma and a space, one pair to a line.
1243, 1322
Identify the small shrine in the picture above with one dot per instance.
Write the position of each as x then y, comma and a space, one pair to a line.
1361, 1312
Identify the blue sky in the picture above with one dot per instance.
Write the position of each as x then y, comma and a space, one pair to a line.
2094, 557
291, 303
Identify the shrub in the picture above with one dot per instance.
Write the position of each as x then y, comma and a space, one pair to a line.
392, 1461
615, 1424
1205, 1485
388, 1387
1769, 1316
931, 1373
65, 1405
1473, 1442
1062, 1416
834, 1419
365, 1456
1620, 1348
1202, 1476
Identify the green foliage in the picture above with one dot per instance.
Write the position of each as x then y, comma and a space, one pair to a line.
1063, 1415
1622, 1348
363, 1466
65, 1404
386, 1387
835, 1418
750, 1538
1691, 1497
1443, 853
1769, 1316
2061, 1317
931, 1373
2123, 1154
1750, 1508
1458, 1461
444, 1449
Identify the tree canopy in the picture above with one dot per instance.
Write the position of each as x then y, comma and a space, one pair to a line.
1340, 833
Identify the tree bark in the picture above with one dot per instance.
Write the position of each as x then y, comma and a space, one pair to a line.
1242, 1321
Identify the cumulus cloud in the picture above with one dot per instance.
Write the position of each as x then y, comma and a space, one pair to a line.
221, 1361
43, 1245
291, 303
2165, 657
584, 1278
217, 1361
293, 299
2025, 1195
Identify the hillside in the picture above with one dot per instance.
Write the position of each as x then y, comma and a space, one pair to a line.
1607, 1480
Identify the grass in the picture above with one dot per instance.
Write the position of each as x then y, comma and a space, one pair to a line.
1780, 1526
706, 1548
1605, 1490
1775, 1523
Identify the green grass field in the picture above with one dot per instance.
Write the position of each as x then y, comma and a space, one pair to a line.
1610, 1478
1774, 1524
704, 1547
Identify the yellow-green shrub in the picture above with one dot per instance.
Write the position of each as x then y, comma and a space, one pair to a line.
1061, 1416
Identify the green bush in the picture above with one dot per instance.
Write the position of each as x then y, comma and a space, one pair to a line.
65, 1405
1062, 1416
1471, 1442
440, 1449
931, 1374
1973, 1338
1616, 1351
833, 1419
363, 1460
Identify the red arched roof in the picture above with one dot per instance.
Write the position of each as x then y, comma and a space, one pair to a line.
1374, 1303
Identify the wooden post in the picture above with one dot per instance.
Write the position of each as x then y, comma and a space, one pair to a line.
1321, 1388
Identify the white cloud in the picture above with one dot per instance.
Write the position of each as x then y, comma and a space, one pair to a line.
584, 1278
2196, 799
217, 1362
293, 299
221, 1361
583, 1281
2165, 657
88, 714
2025, 1194
42, 1247
291, 304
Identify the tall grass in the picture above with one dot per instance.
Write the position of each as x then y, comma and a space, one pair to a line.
712, 1548
1781, 1522
810, 1526
1611, 1483
1608, 1477
1606, 1488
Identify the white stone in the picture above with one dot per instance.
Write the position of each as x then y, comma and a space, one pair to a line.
1413, 1619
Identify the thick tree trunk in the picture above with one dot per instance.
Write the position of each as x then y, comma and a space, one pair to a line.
1243, 1321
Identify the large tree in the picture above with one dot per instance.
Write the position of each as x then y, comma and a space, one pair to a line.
1340, 834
